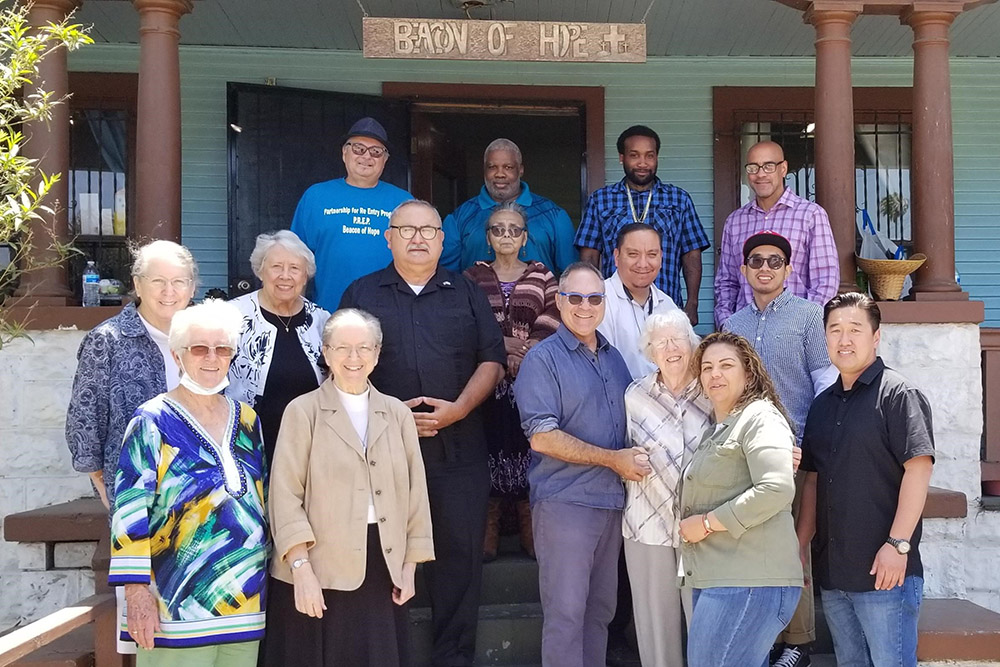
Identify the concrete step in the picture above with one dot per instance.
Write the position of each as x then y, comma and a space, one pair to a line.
75, 649
511, 578
508, 634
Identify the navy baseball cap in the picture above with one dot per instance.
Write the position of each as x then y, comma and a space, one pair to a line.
367, 127
767, 237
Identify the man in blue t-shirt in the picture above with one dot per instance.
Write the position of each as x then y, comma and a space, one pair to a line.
550, 231
344, 221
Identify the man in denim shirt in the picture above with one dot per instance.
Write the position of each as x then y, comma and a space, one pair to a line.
571, 395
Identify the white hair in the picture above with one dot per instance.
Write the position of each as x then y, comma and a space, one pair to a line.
578, 266
212, 315
288, 240
673, 318
502, 145
352, 317
414, 202
165, 250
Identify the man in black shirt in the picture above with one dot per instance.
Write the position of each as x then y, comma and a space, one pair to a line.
868, 449
442, 354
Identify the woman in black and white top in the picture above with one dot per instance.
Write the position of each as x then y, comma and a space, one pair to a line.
280, 349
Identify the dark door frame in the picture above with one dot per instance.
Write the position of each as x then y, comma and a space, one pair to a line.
590, 99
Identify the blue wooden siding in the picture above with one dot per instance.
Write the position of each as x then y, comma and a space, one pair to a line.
672, 95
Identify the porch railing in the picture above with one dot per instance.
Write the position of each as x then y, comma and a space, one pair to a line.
98, 609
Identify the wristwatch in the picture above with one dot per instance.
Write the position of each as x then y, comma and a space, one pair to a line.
299, 562
902, 546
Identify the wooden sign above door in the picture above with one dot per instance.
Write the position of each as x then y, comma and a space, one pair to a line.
504, 40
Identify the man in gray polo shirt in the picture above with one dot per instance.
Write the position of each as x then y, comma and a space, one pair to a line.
570, 391
787, 332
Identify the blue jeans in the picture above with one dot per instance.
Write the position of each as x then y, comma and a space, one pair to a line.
875, 628
735, 626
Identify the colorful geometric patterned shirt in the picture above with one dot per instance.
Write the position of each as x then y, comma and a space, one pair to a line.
190, 521
671, 211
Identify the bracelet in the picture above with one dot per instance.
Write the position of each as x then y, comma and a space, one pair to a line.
707, 524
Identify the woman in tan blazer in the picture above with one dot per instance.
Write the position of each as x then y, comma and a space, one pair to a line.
349, 514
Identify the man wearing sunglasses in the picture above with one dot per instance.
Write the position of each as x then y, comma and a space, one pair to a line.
550, 231
787, 332
816, 274
343, 221
570, 393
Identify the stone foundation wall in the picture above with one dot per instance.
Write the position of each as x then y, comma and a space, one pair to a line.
35, 383
960, 555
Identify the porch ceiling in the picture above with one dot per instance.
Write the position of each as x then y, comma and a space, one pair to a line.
675, 27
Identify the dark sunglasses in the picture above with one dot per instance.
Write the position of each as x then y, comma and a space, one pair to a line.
575, 298
773, 261
498, 231
222, 351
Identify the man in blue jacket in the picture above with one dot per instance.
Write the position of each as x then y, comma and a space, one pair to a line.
550, 231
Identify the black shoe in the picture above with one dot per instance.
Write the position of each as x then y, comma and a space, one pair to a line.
793, 656
776, 651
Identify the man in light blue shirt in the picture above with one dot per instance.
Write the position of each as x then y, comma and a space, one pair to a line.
344, 221
550, 231
570, 392
787, 332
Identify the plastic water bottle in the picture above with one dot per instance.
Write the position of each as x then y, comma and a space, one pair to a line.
91, 285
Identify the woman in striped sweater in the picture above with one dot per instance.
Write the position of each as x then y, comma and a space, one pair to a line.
522, 295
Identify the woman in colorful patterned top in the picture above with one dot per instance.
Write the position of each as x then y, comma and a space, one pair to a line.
189, 535
279, 355
667, 414
523, 297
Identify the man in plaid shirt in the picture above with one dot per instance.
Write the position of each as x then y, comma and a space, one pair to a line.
815, 268
642, 197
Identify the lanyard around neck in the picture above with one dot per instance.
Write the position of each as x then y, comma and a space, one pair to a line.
631, 204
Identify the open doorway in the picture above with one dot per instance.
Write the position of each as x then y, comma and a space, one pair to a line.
449, 141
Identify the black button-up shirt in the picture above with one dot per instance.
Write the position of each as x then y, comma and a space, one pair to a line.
432, 343
857, 441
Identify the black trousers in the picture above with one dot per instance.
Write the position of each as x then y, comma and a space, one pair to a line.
458, 495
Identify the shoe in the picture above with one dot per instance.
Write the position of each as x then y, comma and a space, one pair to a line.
491, 543
524, 527
793, 656
776, 651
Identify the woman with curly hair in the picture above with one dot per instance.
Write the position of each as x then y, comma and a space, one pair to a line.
739, 550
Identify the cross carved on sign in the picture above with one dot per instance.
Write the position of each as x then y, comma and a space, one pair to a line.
614, 42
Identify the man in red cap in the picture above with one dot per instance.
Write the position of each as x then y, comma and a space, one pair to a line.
344, 221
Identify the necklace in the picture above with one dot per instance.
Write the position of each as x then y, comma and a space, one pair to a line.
287, 323
631, 204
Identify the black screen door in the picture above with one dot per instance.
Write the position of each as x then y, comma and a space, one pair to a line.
281, 141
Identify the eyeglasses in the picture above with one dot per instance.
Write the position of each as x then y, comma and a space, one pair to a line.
575, 298
360, 149
427, 232
661, 343
774, 262
498, 231
221, 351
348, 350
768, 167
160, 284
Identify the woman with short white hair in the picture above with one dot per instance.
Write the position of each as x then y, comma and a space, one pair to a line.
349, 512
189, 535
666, 415
279, 354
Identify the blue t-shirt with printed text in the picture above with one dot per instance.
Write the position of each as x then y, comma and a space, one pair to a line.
345, 227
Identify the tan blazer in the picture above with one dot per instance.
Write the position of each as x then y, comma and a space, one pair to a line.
322, 479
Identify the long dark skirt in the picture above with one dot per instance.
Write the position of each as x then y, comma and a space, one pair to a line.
358, 628
509, 449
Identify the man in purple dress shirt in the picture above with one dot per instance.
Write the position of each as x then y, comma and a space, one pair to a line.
815, 268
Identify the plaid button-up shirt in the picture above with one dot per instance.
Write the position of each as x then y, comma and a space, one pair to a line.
669, 429
671, 211
815, 268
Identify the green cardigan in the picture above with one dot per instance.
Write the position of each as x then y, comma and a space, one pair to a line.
742, 471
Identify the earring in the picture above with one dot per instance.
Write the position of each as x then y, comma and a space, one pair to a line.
523, 253
489, 251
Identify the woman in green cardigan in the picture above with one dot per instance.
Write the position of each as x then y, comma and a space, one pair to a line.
739, 550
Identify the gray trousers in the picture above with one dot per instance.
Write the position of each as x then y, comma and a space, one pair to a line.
658, 602
577, 549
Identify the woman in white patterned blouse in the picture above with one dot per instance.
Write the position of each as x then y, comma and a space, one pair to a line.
667, 415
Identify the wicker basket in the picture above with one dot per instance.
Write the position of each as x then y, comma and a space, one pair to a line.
886, 276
